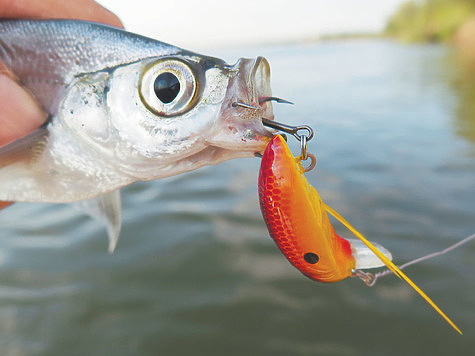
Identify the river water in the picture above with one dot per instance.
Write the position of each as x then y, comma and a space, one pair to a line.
195, 271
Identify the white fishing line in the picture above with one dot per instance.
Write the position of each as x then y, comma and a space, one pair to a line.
370, 279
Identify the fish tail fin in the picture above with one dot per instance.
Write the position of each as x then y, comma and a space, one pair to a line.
391, 266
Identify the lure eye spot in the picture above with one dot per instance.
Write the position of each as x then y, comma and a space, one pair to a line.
311, 258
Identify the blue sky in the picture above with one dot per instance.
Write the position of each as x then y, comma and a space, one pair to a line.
196, 24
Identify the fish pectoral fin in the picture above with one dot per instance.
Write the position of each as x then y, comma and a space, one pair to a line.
106, 208
25, 148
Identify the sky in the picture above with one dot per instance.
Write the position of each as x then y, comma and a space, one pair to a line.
194, 24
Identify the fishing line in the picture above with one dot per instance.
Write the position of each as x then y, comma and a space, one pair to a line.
370, 279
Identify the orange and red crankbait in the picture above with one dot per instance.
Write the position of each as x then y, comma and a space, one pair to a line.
297, 221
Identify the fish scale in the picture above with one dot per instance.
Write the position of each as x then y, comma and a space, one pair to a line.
108, 124
46, 55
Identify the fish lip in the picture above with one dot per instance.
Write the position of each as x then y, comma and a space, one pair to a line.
240, 128
259, 81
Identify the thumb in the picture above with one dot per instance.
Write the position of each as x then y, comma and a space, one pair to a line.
19, 112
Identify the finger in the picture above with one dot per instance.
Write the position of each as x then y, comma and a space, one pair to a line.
79, 9
15, 101
4, 204
19, 112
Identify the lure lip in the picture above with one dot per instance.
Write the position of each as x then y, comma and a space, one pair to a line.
364, 257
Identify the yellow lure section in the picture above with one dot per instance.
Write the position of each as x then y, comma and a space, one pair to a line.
390, 265
297, 220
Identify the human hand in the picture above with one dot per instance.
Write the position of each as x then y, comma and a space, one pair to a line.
19, 112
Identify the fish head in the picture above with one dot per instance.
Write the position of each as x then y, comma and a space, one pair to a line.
165, 115
240, 127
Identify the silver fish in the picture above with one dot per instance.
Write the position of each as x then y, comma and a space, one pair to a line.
123, 108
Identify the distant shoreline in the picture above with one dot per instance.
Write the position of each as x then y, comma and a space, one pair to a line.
435, 21
349, 36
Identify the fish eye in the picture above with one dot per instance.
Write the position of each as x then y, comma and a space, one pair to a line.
169, 87
311, 258
166, 87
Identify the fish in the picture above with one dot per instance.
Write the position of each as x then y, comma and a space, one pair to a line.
297, 221
123, 108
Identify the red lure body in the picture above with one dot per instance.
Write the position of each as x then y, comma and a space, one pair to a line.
296, 218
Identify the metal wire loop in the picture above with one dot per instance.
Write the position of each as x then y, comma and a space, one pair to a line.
313, 162
303, 148
368, 278
292, 130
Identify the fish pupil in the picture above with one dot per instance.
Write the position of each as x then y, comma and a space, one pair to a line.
311, 258
166, 87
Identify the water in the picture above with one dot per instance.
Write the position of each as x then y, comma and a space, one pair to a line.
195, 271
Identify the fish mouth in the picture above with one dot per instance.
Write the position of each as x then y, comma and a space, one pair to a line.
239, 127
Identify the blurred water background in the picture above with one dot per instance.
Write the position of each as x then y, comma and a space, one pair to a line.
195, 271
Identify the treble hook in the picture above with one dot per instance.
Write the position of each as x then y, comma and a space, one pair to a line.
292, 130
274, 98
261, 101
244, 105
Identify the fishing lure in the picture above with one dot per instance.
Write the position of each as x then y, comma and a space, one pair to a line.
297, 220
